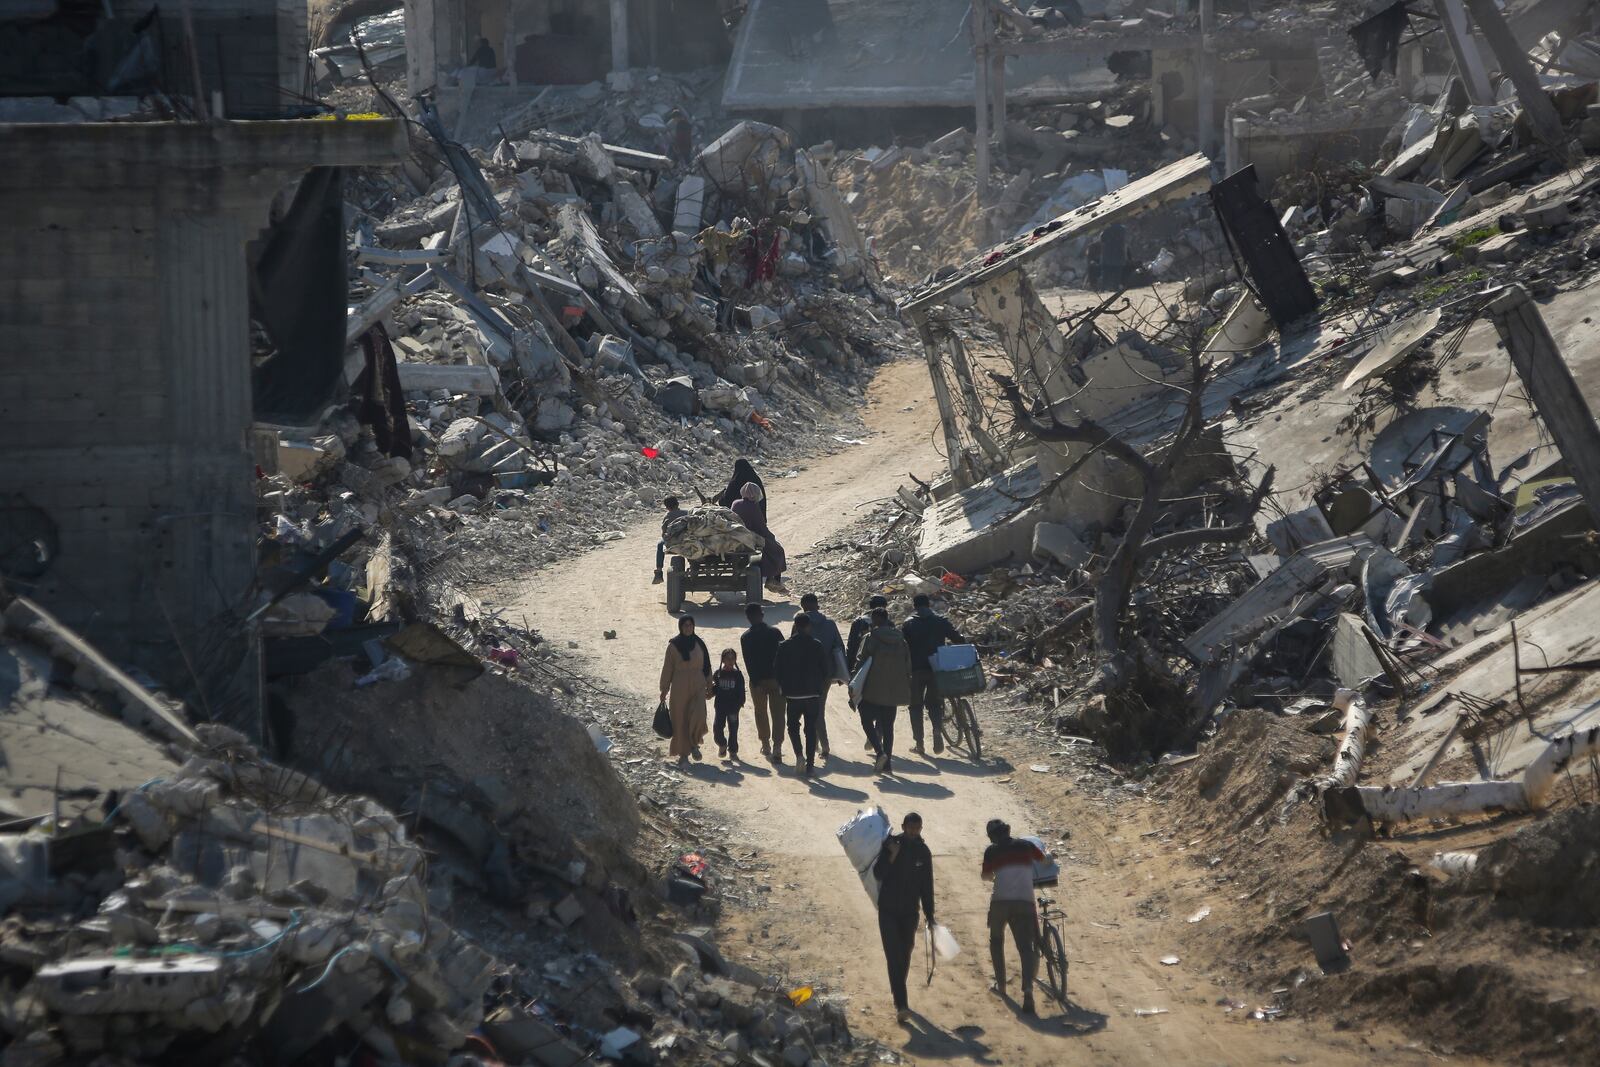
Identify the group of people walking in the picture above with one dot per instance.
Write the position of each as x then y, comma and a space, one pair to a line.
788, 682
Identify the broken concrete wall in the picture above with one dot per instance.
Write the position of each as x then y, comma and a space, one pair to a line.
125, 397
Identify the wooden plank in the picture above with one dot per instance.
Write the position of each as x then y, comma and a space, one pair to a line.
1175, 181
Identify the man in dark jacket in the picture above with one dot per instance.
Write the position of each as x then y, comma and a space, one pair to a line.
760, 646
905, 880
925, 632
802, 671
826, 631
852, 660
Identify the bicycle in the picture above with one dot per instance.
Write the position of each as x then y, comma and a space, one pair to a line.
961, 728
1053, 951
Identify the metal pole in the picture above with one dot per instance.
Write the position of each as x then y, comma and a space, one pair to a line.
1206, 91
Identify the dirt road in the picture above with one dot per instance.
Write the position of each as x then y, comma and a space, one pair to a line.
820, 920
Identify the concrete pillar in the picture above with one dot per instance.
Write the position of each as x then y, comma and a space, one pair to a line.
1554, 392
1514, 64
1453, 18
948, 423
997, 93
980, 81
1206, 89
422, 55
619, 34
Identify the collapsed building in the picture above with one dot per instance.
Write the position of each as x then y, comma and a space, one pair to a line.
128, 302
1059, 420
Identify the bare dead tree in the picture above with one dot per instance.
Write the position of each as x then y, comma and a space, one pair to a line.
1115, 585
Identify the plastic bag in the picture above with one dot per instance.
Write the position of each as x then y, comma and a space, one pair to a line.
858, 684
862, 839
944, 942
663, 723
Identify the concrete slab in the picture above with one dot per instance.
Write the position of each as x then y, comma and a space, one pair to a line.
981, 526
1563, 630
45, 730
1300, 431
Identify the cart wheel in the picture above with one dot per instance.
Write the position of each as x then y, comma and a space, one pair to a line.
752, 584
675, 586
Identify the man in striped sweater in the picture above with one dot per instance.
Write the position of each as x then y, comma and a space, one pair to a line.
1008, 863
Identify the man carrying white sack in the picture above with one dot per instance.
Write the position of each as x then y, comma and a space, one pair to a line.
905, 881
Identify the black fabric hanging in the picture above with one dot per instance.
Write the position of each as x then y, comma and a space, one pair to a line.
376, 397
1378, 39
298, 291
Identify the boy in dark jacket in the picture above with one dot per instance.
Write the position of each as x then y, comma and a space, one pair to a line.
727, 689
802, 670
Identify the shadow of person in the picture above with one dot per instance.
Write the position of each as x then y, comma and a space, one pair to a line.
925, 1040
708, 772
1074, 1021
744, 768
926, 790
826, 789
837, 764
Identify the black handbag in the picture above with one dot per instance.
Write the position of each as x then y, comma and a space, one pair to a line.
663, 723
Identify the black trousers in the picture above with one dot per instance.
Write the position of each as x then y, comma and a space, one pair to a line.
869, 724
809, 711
899, 933
924, 695
728, 720
883, 716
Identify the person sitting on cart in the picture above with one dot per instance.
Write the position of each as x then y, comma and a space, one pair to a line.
743, 475
1008, 863
752, 512
926, 632
673, 512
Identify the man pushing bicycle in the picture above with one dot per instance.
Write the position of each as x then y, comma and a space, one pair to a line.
1008, 863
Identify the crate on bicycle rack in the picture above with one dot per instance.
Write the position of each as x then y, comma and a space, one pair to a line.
956, 671
960, 683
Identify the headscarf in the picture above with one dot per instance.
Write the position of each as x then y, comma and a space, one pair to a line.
743, 474
751, 492
685, 642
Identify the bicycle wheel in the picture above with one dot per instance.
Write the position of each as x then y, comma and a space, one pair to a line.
1055, 963
954, 726
974, 734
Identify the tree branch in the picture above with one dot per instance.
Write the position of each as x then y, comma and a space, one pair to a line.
1211, 535
1086, 432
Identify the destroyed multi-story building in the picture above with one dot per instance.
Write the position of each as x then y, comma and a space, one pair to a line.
145, 150
492, 50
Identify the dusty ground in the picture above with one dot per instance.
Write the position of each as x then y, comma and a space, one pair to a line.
820, 922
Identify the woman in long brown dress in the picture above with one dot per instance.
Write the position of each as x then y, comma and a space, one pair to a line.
685, 677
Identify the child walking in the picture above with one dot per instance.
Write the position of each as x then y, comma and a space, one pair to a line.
727, 687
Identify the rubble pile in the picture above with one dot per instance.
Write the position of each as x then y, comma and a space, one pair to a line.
918, 204
578, 330
228, 906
